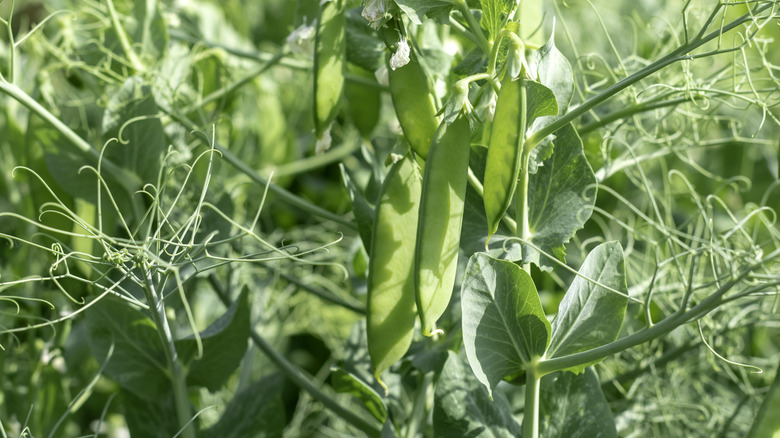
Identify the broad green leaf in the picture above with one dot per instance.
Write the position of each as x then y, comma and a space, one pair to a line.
590, 315
255, 411
364, 47
472, 236
561, 195
767, 422
504, 326
554, 72
344, 382
493, 13
150, 418
224, 344
416, 10
131, 116
573, 406
138, 361
462, 406
531, 18
364, 213
541, 101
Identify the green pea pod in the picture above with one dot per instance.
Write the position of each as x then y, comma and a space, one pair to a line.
415, 105
391, 307
363, 101
504, 151
441, 217
329, 55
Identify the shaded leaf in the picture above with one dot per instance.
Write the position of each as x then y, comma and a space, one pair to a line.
463, 408
589, 315
131, 116
256, 411
504, 326
573, 406
224, 343
416, 10
344, 382
150, 418
561, 196
138, 361
364, 213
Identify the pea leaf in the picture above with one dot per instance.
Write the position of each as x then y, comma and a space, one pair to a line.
256, 411
590, 315
138, 361
574, 406
150, 418
416, 10
462, 406
344, 382
131, 117
561, 195
224, 343
364, 47
493, 13
554, 72
504, 326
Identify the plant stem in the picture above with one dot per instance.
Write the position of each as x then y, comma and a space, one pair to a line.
475, 28
676, 55
630, 111
177, 376
124, 41
299, 378
531, 413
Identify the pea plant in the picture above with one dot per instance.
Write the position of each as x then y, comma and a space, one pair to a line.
389, 218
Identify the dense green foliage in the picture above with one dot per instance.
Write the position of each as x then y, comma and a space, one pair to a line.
389, 218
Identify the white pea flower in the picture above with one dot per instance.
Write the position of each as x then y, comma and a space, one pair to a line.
374, 10
401, 56
301, 40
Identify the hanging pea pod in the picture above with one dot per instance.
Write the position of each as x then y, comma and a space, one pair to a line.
391, 307
504, 149
329, 55
415, 104
441, 217
363, 101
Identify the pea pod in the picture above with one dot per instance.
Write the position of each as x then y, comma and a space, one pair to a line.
415, 104
363, 101
504, 150
441, 217
391, 305
329, 54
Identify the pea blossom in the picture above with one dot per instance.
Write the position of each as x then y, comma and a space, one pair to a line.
374, 10
401, 56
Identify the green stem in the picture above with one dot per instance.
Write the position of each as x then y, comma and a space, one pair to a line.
475, 28
347, 148
176, 373
299, 378
124, 41
630, 111
531, 413
670, 58
665, 326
